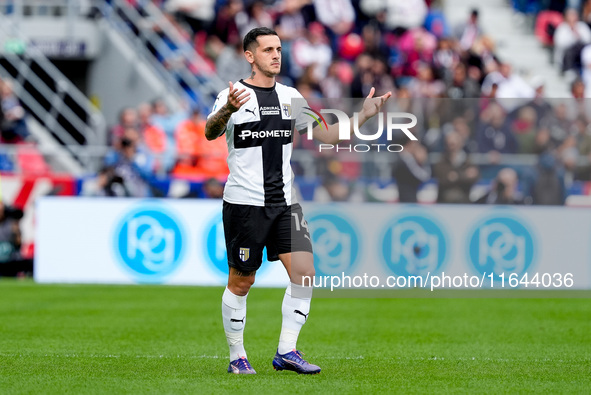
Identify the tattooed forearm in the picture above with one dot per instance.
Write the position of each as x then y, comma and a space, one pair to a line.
216, 125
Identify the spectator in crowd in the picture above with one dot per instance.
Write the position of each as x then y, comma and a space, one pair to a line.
461, 86
569, 39
555, 127
382, 80
548, 186
467, 33
445, 58
498, 72
231, 64
586, 69
167, 121
504, 189
363, 77
455, 173
372, 43
199, 159
11, 259
213, 189
311, 49
106, 184
290, 23
411, 171
337, 15
578, 106
513, 86
132, 164
539, 103
198, 14
333, 189
525, 130
225, 26
417, 46
493, 135
425, 85
400, 15
254, 15
582, 136
13, 128
128, 118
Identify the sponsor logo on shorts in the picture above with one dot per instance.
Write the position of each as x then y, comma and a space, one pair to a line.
214, 245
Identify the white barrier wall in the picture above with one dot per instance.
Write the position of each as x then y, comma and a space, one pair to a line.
94, 240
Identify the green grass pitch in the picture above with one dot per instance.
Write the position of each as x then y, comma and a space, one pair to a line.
94, 339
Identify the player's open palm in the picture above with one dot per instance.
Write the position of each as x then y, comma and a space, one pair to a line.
236, 98
373, 105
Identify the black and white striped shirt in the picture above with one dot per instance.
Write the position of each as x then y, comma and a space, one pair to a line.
259, 137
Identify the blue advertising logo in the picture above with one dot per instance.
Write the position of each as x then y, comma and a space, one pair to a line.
215, 247
414, 245
336, 244
501, 244
149, 243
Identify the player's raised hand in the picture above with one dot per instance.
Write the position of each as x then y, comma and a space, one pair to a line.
373, 105
236, 98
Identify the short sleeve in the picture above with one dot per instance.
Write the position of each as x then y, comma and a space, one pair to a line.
220, 101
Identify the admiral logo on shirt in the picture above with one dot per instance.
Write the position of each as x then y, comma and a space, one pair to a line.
269, 110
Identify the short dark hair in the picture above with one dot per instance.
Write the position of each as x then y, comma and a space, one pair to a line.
251, 36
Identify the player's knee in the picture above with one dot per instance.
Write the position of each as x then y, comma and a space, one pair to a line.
243, 284
308, 275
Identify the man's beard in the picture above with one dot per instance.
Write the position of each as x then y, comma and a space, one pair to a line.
266, 71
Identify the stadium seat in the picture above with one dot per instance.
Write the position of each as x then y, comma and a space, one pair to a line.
30, 160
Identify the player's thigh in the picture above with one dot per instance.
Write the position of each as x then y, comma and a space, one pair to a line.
246, 232
291, 236
290, 232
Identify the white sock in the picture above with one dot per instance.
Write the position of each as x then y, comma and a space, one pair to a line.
234, 319
295, 309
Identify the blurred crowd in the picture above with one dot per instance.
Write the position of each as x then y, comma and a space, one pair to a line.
470, 103
473, 107
564, 27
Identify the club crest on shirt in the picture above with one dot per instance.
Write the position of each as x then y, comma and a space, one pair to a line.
244, 254
286, 110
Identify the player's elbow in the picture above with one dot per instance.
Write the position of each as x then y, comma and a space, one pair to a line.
211, 134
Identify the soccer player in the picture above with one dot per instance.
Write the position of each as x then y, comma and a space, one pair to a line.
259, 206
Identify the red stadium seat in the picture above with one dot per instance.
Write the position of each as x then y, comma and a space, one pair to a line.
30, 160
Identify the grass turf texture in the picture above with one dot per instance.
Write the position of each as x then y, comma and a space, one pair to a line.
160, 339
